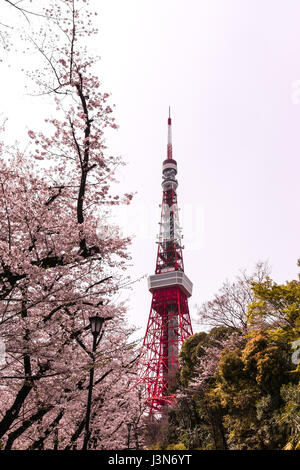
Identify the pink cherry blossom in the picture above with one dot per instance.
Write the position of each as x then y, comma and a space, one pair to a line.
55, 271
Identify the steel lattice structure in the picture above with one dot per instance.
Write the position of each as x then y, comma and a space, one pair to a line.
169, 321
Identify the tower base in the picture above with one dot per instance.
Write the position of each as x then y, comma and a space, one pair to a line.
168, 327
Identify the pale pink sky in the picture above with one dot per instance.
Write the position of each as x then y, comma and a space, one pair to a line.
227, 68
229, 71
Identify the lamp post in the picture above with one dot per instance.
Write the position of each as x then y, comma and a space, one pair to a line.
96, 327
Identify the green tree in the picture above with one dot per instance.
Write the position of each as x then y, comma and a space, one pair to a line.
248, 386
257, 384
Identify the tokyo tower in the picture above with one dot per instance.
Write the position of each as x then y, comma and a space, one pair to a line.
169, 321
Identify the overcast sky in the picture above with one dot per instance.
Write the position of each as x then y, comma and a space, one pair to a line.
230, 70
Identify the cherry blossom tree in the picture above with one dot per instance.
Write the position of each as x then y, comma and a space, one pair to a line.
60, 262
208, 363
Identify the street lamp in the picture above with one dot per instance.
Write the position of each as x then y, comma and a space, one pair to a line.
96, 323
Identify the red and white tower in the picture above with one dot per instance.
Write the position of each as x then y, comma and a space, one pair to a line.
169, 321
